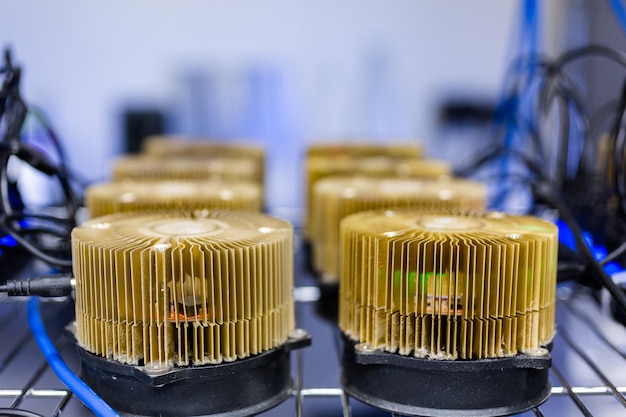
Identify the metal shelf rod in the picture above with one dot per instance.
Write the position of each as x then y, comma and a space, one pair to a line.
573, 395
613, 389
575, 311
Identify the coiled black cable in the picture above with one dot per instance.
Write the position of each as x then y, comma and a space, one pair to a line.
545, 85
45, 237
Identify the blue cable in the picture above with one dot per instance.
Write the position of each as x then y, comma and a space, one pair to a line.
567, 238
70, 379
515, 105
619, 11
531, 25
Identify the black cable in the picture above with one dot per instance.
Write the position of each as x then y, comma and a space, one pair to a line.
555, 86
535, 64
5, 197
509, 176
43, 230
614, 254
562, 151
16, 115
602, 115
601, 121
569, 271
71, 201
554, 83
15, 412
13, 108
619, 138
33, 248
560, 89
560, 84
9, 219
494, 153
51, 133
28, 230
590, 50
547, 193
571, 267
567, 87
574, 96
38, 216
519, 123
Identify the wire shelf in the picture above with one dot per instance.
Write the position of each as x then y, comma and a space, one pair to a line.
588, 371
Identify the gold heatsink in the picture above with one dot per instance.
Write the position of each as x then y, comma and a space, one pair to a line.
126, 196
142, 168
360, 149
174, 146
448, 286
318, 167
336, 197
422, 168
182, 146
173, 290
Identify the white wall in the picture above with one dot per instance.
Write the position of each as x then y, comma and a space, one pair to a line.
330, 68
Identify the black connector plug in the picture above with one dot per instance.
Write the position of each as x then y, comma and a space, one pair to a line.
57, 285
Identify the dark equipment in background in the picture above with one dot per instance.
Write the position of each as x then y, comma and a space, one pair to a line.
558, 178
39, 233
139, 124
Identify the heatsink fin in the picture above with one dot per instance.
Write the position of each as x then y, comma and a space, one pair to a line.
448, 286
171, 289
166, 196
337, 197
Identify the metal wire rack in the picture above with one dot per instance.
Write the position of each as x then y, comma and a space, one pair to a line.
588, 372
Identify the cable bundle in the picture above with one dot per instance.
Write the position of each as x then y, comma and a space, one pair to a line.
336, 197
32, 231
163, 290
126, 196
448, 286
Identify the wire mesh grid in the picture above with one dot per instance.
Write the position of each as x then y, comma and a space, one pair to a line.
588, 372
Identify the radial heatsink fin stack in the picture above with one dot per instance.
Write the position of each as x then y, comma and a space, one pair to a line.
360, 149
375, 166
422, 168
168, 146
337, 197
177, 290
168, 196
172, 146
448, 286
147, 168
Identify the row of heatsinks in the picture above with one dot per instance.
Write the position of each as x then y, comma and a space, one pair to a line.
196, 284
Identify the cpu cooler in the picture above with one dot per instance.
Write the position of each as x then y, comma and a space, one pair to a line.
447, 314
126, 196
193, 314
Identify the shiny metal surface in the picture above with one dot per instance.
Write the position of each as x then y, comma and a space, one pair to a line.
588, 372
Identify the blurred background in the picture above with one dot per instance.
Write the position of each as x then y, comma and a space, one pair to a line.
286, 74
279, 73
